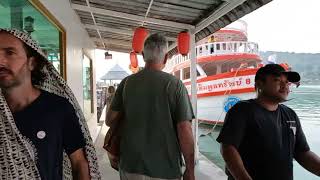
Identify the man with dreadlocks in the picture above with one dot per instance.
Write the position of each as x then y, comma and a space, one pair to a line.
43, 134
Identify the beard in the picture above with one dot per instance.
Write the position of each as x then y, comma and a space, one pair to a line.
280, 99
7, 84
10, 80
275, 97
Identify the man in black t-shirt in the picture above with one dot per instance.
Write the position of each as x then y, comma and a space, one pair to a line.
260, 137
44, 125
52, 126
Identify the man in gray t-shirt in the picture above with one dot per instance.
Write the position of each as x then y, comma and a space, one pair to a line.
157, 123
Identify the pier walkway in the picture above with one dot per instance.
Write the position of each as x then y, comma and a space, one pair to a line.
205, 170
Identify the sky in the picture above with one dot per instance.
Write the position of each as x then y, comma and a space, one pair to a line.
286, 25
103, 65
281, 25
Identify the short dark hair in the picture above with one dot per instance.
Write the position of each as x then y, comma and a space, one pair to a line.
37, 76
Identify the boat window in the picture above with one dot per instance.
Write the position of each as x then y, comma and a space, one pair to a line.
211, 48
229, 46
252, 64
218, 46
209, 68
177, 74
200, 50
225, 68
186, 73
196, 51
224, 46
206, 51
233, 67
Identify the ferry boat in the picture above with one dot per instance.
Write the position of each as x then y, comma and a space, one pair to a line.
226, 67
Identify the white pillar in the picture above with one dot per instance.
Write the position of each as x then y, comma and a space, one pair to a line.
193, 77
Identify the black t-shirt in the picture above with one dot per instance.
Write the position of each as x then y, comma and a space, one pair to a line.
267, 141
51, 124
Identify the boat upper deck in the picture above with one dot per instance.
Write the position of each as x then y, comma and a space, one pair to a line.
218, 51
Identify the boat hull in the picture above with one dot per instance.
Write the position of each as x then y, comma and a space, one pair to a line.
217, 94
212, 109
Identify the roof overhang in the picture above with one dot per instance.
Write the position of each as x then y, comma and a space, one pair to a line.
111, 23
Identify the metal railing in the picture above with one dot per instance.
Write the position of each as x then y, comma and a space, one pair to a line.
215, 49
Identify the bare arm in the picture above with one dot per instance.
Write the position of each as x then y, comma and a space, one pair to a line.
112, 117
310, 161
80, 166
187, 147
234, 162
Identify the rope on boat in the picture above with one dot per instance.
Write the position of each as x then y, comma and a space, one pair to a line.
227, 92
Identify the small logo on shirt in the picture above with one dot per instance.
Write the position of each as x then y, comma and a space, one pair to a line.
41, 134
292, 125
229, 102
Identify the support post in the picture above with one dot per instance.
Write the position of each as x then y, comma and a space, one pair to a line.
193, 77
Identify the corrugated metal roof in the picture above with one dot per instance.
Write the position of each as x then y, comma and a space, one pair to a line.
111, 23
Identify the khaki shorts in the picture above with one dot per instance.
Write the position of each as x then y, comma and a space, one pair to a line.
130, 176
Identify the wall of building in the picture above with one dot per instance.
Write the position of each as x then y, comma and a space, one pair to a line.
92, 122
78, 43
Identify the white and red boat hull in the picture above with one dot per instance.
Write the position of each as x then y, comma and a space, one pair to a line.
210, 109
216, 94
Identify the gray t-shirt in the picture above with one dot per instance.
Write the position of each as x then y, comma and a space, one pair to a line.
153, 103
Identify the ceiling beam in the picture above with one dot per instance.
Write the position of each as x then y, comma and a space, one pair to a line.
131, 17
115, 49
123, 50
114, 41
117, 31
126, 43
109, 29
226, 7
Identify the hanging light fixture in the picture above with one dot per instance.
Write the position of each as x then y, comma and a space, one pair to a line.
107, 55
139, 36
183, 43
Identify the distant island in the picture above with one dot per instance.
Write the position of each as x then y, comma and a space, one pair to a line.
307, 64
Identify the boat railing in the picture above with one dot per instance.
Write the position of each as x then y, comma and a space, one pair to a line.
216, 49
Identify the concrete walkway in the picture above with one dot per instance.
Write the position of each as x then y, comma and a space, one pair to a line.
106, 171
205, 170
